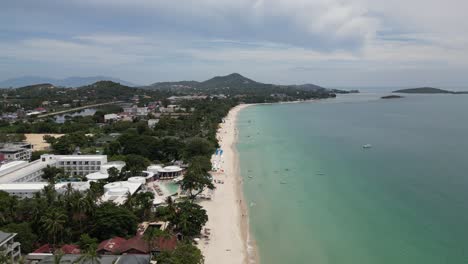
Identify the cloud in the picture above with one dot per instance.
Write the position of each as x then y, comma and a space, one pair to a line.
273, 39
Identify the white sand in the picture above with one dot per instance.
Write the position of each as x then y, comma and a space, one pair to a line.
37, 140
227, 212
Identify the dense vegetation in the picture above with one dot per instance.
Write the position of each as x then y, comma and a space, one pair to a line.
427, 90
33, 96
77, 217
243, 89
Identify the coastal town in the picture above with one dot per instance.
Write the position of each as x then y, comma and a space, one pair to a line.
127, 175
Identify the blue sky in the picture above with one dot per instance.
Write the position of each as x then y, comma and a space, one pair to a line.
327, 42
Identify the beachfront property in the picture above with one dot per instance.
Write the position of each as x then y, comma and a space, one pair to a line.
165, 173
49, 258
15, 151
23, 179
22, 171
117, 192
76, 165
102, 173
115, 249
8, 246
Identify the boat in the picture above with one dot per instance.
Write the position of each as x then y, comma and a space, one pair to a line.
283, 182
367, 146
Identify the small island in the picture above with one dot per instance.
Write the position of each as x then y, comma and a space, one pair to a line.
392, 97
427, 90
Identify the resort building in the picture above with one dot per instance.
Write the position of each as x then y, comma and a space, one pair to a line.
165, 173
117, 192
9, 247
107, 259
28, 189
103, 174
15, 151
22, 171
23, 190
76, 165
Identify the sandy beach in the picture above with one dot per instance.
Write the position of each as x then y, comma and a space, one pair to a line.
228, 220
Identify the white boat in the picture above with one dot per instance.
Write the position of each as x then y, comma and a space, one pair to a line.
367, 146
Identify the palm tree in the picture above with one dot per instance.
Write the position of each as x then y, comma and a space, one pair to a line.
90, 256
58, 255
152, 234
53, 223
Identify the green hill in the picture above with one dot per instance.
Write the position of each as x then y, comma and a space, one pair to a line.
424, 90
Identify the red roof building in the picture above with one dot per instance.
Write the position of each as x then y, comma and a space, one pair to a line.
138, 245
111, 246
66, 249
70, 249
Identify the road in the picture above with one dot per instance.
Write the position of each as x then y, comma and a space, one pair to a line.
77, 109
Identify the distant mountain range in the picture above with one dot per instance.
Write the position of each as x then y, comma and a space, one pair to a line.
67, 82
427, 90
232, 81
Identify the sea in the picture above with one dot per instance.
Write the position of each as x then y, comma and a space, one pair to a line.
315, 195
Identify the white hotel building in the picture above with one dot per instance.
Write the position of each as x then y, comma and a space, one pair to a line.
74, 165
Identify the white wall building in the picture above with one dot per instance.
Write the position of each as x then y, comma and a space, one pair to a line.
76, 165
111, 117
22, 171
117, 192
23, 190
9, 247
103, 174
16, 151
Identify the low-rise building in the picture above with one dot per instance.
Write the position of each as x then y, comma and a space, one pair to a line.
9, 247
16, 151
111, 117
152, 122
76, 165
135, 110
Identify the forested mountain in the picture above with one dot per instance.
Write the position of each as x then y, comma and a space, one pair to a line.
67, 82
236, 85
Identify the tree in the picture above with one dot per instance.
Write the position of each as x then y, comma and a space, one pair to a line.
8, 207
58, 255
25, 235
51, 173
188, 219
197, 179
90, 256
152, 234
136, 163
53, 223
111, 220
184, 254
87, 243
198, 147
140, 204
114, 174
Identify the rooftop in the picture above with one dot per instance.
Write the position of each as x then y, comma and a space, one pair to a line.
4, 237
104, 259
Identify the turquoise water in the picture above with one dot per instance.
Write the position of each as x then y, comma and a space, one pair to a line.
316, 196
171, 187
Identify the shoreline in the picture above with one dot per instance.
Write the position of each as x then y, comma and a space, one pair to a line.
230, 240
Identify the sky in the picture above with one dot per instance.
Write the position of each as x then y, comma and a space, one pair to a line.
333, 43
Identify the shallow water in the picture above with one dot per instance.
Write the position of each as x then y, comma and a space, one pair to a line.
316, 196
